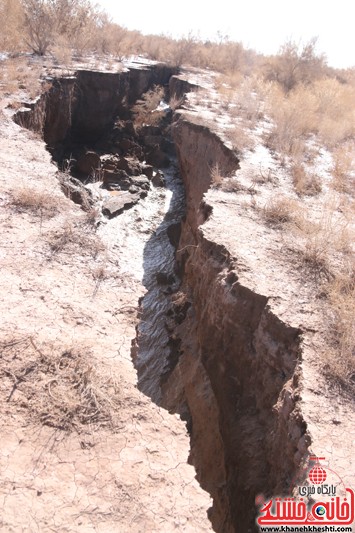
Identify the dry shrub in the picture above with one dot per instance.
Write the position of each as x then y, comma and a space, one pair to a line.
27, 198
280, 210
11, 13
233, 185
60, 388
216, 175
226, 96
229, 80
344, 168
19, 73
296, 63
335, 111
265, 175
92, 217
225, 183
175, 102
145, 110
62, 51
75, 238
341, 294
313, 254
293, 116
247, 100
325, 107
305, 183
322, 246
240, 138
241, 96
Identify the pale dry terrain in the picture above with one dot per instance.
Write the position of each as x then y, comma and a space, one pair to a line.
81, 448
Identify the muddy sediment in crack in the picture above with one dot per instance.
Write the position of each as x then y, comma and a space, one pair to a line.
153, 346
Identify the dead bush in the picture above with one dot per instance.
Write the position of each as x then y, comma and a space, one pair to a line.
344, 168
60, 388
92, 217
232, 185
294, 118
146, 111
175, 102
279, 211
265, 175
306, 183
341, 295
240, 138
313, 254
216, 175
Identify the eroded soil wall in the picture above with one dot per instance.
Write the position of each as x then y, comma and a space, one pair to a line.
84, 106
237, 374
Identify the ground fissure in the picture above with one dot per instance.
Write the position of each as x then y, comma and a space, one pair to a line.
211, 343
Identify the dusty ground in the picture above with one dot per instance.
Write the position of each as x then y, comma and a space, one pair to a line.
81, 448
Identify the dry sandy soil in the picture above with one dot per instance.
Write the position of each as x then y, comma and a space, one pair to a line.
81, 448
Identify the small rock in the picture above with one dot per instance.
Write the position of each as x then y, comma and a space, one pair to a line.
130, 165
158, 179
119, 203
147, 170
88, 163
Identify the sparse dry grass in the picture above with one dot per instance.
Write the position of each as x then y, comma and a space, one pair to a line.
264, 175
20, 74
27, 198
61, 388
75, 238
335, 111
323, 246
325, 253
